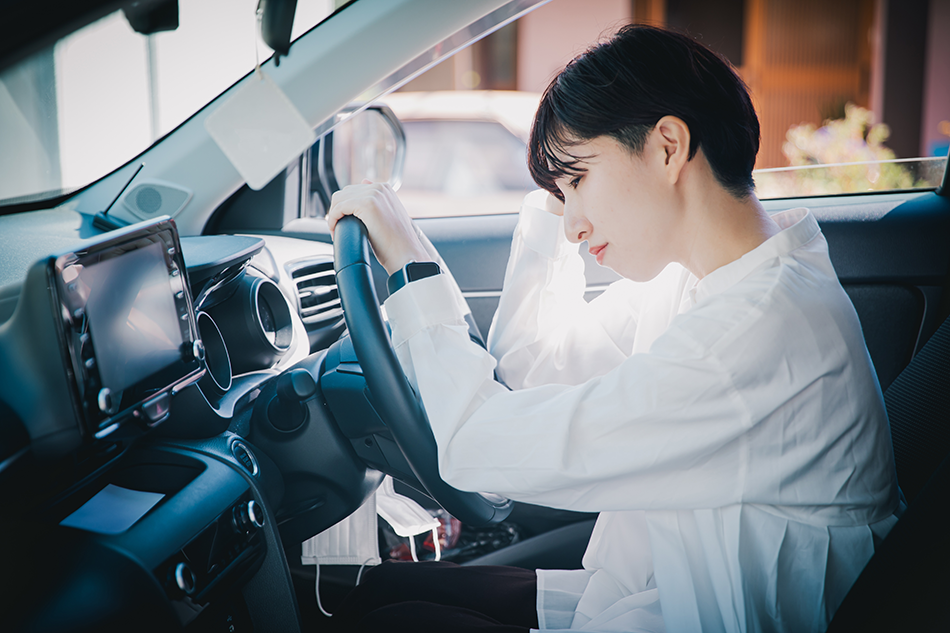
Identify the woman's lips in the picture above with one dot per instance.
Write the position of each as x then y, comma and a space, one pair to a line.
598, 253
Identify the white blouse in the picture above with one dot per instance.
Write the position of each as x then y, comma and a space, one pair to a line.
730, 430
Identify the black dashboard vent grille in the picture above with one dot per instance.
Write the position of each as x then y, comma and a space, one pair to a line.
317, 295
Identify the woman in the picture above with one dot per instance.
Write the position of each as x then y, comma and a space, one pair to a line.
717, 406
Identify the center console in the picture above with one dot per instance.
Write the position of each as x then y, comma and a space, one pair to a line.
199, 533
115, 527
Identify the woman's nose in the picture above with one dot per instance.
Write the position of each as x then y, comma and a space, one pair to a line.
576, 227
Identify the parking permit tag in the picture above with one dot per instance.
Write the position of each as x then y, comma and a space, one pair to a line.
259, 130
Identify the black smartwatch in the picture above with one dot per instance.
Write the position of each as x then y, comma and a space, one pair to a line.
411, 272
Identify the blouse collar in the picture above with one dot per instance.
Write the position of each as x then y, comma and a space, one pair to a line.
799, 227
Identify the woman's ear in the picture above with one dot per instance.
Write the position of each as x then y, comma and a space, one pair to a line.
673, 135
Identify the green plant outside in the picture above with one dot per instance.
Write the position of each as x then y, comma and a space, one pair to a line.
844, 156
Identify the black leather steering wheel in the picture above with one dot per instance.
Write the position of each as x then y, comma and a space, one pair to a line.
403, 412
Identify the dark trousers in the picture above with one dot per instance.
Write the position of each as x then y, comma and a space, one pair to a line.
440, 597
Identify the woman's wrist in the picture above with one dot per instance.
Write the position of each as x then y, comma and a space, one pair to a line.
418, 254
541, 231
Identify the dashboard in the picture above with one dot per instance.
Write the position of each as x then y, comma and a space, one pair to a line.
163, 425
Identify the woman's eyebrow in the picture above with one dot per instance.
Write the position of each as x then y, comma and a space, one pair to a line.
588, 159
578, 163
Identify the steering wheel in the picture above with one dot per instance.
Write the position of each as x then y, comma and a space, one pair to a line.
404, 412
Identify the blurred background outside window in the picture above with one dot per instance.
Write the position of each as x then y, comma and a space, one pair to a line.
852, 95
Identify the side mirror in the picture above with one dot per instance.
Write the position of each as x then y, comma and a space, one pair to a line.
368, 145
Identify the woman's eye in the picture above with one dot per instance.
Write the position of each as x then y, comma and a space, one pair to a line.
575, 181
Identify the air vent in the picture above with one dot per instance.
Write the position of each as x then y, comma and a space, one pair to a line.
317, 297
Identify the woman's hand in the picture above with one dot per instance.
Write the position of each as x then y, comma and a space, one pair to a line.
390, 230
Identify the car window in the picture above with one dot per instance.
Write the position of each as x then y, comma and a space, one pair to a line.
798, 181
843, 109
845, 155
462, 168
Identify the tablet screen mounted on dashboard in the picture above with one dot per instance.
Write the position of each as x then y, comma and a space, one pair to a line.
127, 326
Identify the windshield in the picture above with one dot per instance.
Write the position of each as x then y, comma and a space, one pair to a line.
96, 98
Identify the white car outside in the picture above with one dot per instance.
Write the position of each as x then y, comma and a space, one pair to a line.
465, 150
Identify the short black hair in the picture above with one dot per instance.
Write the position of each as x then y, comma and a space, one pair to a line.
623, 86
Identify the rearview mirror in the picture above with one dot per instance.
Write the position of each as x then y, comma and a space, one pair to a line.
277, 21
152, 17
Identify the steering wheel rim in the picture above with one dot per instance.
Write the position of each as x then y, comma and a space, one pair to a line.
404, 413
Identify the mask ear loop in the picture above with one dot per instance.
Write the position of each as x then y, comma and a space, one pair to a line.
359, 576
317, 591
436, 543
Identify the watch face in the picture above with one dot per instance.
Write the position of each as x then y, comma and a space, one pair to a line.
411, 272
421, 270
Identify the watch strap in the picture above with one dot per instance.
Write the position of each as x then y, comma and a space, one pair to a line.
412, 272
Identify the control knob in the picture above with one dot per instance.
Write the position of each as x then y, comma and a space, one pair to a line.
248, 517
287, 411
185, 578
196, 351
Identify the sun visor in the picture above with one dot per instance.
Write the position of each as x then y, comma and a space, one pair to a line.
259, 130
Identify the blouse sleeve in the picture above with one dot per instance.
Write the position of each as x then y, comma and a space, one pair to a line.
628, 439
544, 331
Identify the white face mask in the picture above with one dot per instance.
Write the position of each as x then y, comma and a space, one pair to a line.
406, 516
352, 541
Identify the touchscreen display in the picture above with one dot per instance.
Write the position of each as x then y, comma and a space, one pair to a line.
133, 318
126, 327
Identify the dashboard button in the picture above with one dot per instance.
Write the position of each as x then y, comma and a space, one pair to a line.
157, 408
185, 578
244, 455
105, 400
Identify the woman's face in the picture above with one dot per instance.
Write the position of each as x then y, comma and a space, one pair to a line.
623, 206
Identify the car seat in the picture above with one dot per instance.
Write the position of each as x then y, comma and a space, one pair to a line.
906, 584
